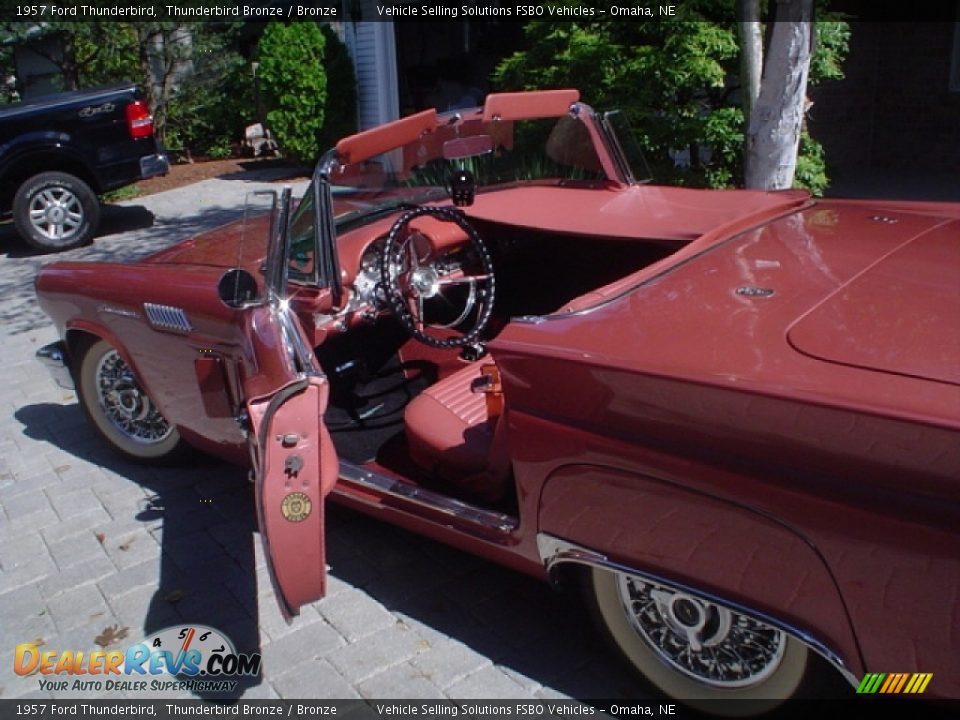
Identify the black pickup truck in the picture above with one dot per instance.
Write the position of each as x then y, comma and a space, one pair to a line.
59, 152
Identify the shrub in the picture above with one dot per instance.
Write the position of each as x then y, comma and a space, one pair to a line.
293, 82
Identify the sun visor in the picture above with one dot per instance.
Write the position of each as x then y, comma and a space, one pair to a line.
376, 141
529, 105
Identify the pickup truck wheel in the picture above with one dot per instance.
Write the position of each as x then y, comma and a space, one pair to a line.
120, 410
56, 211
695, 651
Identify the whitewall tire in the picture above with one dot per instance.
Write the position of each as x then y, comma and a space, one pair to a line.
694, 651
121, 412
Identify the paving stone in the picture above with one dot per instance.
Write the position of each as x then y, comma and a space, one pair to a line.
16, 526
25, 504
355, 614
135, 577
75, 549
315, 679
272, 623
306, 644
33, 620
132, 607
74, 525
448, 661
17, 553
88, 571
132, 550
375, 653
489, 683
77, 607
36, 569
401, 682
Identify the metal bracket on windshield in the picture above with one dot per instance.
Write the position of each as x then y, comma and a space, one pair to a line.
275, 273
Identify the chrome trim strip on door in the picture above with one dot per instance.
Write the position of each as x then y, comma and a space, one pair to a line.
465, 512
555, 551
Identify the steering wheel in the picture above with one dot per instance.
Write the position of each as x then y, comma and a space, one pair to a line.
411, 282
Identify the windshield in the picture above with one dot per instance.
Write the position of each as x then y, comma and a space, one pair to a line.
556, 151
543, 151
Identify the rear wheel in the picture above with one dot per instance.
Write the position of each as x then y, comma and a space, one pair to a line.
122, 413
696, 651
55, 211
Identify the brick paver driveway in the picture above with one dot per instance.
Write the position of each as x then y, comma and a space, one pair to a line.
93, 549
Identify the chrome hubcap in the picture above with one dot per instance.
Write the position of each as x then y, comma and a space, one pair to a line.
56, 213
125, 405
706, 642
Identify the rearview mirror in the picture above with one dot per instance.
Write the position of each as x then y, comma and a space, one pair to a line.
465, 147
237, 288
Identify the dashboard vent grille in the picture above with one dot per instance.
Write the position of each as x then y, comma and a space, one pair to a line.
166, 317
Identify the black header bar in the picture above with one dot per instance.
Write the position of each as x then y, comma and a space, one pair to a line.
353, 11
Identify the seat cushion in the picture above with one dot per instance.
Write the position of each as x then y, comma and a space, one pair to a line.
448, 430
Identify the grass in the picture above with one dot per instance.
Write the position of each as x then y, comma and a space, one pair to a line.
125, 193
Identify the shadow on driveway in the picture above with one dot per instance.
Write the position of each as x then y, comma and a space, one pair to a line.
208, 568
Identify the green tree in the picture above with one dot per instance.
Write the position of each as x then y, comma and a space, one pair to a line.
197, 86
678, 82
294, 85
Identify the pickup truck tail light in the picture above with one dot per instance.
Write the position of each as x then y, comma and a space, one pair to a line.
139, 119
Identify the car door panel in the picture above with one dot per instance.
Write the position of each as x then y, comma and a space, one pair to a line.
295, 471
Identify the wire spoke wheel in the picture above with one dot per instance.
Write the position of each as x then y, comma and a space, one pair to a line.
707, 642
119, 408
694, 650
125, 404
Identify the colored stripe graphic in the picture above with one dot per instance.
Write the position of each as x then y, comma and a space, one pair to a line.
894, 683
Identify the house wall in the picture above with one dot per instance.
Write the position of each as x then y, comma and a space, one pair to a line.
895, 109
372, 47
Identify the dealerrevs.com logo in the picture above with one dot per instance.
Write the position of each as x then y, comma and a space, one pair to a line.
201, 659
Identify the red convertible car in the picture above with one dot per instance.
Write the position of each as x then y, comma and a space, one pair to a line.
733, 416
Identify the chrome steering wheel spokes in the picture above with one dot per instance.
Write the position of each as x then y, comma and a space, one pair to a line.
125, 404
704, 641
459, 294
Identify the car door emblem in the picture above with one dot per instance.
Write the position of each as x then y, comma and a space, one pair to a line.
296, 507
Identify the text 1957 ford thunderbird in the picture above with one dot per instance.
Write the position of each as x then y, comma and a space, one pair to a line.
734, 416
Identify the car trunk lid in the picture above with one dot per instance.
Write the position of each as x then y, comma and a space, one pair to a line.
900, 315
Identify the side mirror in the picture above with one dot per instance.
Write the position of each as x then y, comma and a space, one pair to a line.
237, 288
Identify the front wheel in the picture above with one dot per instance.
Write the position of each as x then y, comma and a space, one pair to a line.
696, 651
121, 412
55, 211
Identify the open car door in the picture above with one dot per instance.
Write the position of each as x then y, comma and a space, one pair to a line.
294, 460
285, 393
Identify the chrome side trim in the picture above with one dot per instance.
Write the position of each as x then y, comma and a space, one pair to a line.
167, 317
54, 358
468, 514
555, 551
122, 312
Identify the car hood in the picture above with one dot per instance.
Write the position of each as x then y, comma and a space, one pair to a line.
241, 243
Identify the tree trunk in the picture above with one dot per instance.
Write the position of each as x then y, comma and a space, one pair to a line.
751, 52
773, 136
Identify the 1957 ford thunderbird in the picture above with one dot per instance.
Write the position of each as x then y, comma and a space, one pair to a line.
733, 416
